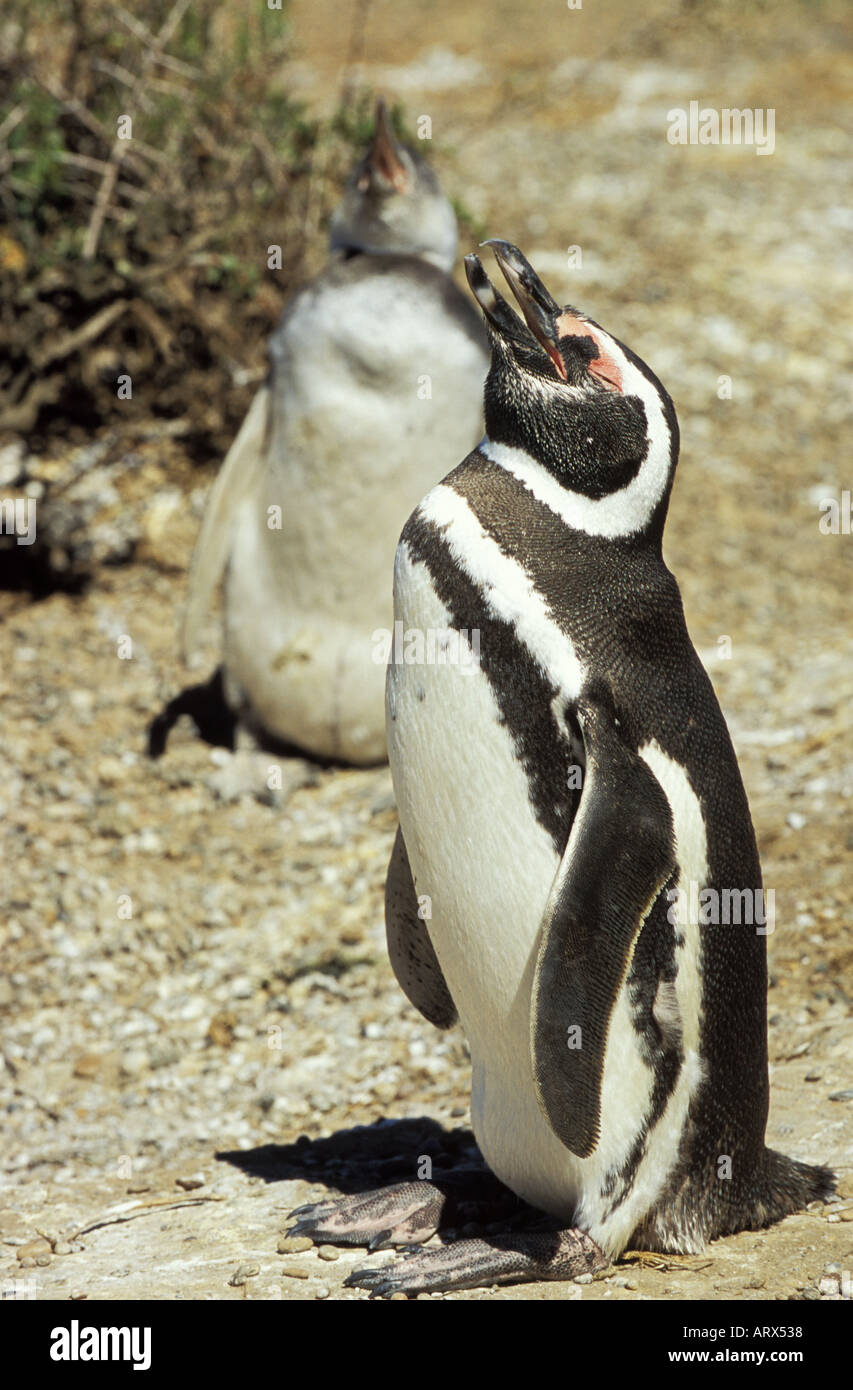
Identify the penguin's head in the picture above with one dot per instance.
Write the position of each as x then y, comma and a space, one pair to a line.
575, 400
393, 205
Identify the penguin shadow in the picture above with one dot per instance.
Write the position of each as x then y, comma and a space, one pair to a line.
205, 704
217, 723
366, 1157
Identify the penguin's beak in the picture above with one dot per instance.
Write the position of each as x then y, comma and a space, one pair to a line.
503, 319
384, 164
540, 309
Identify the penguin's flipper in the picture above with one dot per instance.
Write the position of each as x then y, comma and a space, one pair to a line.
413, 959
619, 856
239, 474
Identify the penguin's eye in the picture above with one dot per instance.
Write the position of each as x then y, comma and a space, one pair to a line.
600, 362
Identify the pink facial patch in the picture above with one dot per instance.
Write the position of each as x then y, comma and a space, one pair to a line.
603, 366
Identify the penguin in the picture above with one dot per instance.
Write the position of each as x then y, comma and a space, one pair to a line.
375, 376
565, 800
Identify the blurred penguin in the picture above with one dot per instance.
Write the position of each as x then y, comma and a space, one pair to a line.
375, 380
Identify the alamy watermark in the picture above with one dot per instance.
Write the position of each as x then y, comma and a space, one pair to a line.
728, 126
18, 518
415, 646
716, 907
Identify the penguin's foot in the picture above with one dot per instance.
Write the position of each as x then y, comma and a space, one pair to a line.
408, 1213
405, 1214
471, 1264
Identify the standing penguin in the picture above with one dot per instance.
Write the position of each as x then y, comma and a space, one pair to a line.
376, 372
563, 806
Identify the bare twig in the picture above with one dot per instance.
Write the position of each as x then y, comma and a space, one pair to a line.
145, 1209
15, 116
351, 71
166, 59
92, 328
96, 166
105, 192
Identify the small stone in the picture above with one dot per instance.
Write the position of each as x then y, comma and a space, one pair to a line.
221, 1029
828, 1286
134, 1062
62, 1247
583, 1279
321, 1291
814, 1076
34, 1248
138, 1186
844, 1186
328, 1252
795, 820
163, 1053
811, 1294
42, 1259
295, 1271
112, 771
291, 1245
398, 1297
242, 1274
846, 1214
88, 1064
842, 1095
190, 1183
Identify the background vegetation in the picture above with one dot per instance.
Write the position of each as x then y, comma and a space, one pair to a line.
148, 256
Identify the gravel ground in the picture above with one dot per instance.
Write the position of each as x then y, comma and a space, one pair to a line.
195, 964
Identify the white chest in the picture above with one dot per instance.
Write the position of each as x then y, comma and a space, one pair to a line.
486, 865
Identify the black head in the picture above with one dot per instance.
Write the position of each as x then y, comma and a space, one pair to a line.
575, 401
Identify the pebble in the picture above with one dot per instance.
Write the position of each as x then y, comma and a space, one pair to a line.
295, 1271
135, 1062
189, 1184
846, 1214
828, 1286
583, 1279
34, 1248
163, 1054
88, 1065
62, 1247
842, 1095
290, 1245
328, 1252
242, 1274
844, 1186
321, 1291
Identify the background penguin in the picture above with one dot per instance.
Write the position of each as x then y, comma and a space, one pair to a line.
556, 805
375, 377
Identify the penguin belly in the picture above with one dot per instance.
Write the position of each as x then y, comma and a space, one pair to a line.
351, 447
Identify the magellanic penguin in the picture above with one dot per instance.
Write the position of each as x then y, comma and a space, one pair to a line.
375, 376
565, 800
